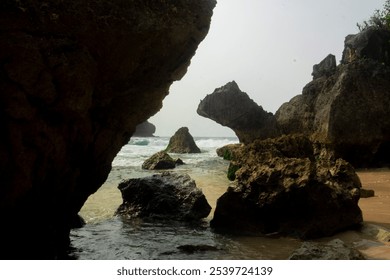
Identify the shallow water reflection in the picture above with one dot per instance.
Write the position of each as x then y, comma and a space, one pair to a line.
118, 238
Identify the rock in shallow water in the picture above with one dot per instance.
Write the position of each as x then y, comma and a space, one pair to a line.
163, 196
290, 186
182, 142
160, 160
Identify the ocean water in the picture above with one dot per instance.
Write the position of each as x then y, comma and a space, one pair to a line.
106, 236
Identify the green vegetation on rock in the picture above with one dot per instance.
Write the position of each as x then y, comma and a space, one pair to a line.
380, 18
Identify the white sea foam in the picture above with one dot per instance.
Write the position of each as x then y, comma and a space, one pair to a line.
139, 149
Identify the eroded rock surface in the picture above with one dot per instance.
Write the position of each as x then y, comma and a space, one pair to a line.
166, 196
182, 142
231, 107
76, 77
289, 185
160, 160
346, 106
350, 109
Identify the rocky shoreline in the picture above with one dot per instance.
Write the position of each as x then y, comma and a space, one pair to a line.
345, 106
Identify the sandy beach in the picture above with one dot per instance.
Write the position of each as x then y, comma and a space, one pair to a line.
372, 240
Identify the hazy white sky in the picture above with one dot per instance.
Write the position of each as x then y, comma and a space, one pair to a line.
268, 47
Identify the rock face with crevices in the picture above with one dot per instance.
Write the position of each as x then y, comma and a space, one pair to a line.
346, 106
231, 107
165, 196
290, 186
76, 78
332, 250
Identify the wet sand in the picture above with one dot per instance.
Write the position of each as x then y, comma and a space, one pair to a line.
376, 209
373, 240
376, 214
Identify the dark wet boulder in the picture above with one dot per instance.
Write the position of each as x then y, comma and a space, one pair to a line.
332, 250
160, 160
289, 185
365, 193
231, 107
166, 196
190, 249
182, 142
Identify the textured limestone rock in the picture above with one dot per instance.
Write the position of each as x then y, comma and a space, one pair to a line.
231, 107
160, 160
349, 109
346, 106
182, 142
76, 77
145, 129
325, 68
290, 186
372, 43
165, 196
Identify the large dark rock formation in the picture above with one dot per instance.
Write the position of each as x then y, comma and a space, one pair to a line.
231, 107
289, 186
145, 129
76, 77
182, 142
347, 106
166, 196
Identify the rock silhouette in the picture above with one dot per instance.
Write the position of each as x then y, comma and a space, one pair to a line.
77, 77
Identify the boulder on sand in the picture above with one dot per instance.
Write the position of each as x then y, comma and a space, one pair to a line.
182, 143
289, 185
167, 196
